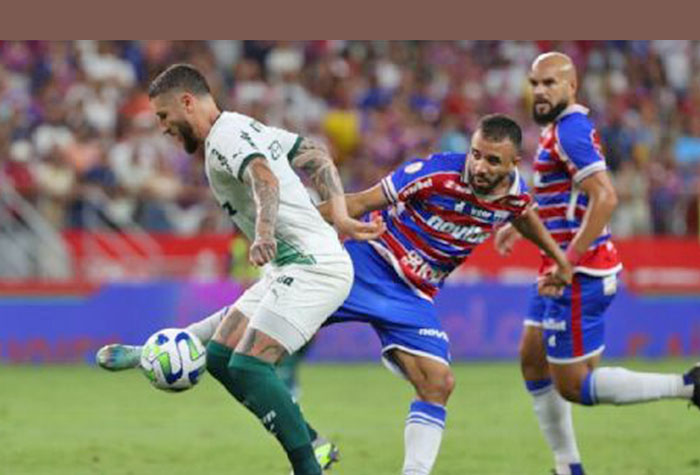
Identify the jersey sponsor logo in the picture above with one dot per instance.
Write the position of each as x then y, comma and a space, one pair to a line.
483, 214
435, 333
501, 215
555, 325
285, 280
470, 233
609, 282
422, 269
414, 167
453, 185
268, 421
417, 186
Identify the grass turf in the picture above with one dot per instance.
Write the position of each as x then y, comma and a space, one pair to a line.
75, 420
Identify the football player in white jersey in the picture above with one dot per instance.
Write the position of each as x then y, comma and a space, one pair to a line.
307, 272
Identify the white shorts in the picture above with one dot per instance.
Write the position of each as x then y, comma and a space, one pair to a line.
290, 303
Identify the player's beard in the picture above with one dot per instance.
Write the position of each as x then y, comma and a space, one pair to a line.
189, 141
485, 189
548, 117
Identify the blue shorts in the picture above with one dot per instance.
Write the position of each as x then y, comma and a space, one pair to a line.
402, 319
573, 325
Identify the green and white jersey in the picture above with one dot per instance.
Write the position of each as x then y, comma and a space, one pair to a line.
233, 141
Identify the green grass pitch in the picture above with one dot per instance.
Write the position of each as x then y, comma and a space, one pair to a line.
75, 420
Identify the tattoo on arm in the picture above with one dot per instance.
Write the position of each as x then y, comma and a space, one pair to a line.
313, 158
266, 194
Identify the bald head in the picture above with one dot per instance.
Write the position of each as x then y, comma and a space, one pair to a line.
558, 63
553, 82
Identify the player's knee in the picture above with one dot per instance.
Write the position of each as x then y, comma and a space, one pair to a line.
436, 387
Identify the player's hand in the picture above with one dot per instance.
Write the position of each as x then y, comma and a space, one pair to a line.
505, 239
361, 230
554, 281
263, 250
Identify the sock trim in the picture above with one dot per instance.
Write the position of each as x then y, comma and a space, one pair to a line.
538, 386
427, 413
424, 423
688, 379
588, 397
428, 408
239, 360
423, 419
218, 348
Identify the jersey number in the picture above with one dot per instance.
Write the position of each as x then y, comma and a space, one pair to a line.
229, 209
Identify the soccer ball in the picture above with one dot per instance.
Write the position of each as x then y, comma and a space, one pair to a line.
173, 359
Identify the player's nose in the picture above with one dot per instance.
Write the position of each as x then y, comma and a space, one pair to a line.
479, 168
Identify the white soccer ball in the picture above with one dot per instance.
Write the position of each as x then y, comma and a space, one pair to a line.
173, 359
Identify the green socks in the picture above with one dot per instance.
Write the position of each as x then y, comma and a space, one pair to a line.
255, 384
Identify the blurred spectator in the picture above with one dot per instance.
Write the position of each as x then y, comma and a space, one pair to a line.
79, 140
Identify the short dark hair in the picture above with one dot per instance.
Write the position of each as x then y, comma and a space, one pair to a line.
179, 76
498, 127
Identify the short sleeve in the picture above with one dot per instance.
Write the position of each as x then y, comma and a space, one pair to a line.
397, 185
579, 146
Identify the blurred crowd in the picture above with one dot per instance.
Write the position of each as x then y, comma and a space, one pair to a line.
78, 140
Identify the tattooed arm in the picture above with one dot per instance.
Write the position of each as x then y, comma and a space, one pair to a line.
315, 160
266, 194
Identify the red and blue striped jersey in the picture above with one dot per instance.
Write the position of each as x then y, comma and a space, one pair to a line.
569, 152
435, 219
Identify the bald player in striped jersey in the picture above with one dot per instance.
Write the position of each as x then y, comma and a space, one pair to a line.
563, 337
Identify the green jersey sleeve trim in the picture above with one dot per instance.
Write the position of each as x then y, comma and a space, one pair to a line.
245, 163
295, 148
288, 253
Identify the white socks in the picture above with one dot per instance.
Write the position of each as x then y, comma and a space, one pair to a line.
422, 436
622, 386
554, 417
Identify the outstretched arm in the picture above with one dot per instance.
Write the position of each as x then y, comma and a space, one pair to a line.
313, 158
266, 195
359, 203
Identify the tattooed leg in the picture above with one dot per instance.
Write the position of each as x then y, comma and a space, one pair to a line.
231, 329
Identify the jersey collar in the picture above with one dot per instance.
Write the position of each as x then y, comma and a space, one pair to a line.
572, 109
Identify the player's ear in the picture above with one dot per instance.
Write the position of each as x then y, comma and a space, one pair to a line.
516, 160
187, 101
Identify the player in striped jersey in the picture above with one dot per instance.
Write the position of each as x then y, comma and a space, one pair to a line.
563, 336
436, 211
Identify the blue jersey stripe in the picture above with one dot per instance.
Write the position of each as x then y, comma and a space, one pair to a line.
558, 223
547, 178
560, 199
